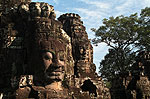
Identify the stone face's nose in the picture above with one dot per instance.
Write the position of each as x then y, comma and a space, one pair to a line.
56, 67
60, 63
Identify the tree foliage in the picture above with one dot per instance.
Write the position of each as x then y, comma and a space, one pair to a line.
124, 36
144, 31
116, 62
119, 32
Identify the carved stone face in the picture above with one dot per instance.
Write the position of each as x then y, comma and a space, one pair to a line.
35, 9
46, 10
53, 66
49, 61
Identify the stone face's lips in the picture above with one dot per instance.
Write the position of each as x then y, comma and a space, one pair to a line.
54, 72
58, 73
54, 76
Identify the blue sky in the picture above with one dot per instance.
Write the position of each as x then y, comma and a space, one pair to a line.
92, 13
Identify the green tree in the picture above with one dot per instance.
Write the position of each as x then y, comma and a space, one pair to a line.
115, 63
121, 35
125, 36
144, 31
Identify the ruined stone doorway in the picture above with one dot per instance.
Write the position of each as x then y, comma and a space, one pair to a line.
90, 87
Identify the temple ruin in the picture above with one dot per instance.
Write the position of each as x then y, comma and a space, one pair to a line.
42, 57
45, 58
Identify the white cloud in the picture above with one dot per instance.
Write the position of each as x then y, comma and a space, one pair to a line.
88, 13
97, 4
128, 7
56, 1
125, 5
98, 9
146, 3
92, 18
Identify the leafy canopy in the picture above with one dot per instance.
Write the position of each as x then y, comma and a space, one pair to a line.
125, 36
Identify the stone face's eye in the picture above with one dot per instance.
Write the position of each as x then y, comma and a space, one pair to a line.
47, 57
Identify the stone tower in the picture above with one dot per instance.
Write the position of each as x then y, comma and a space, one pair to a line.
82, 50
